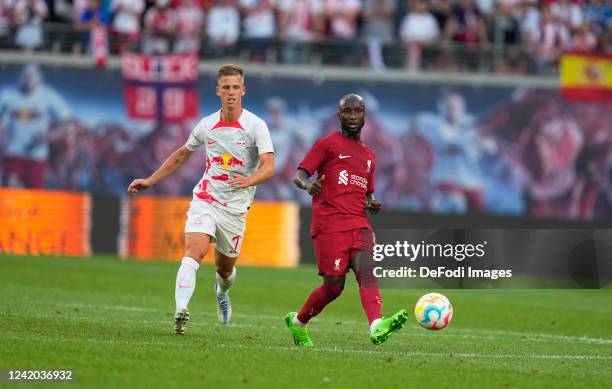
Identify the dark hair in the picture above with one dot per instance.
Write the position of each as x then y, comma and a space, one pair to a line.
230, 70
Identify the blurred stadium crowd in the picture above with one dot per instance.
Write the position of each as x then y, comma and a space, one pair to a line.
501, 36
522, 152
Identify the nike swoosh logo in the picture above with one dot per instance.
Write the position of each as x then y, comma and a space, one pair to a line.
212, 142
343, 156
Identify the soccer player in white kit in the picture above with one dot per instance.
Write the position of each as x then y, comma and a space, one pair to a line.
30, 116
239, 156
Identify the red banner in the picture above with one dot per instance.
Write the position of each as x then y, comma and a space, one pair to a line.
161, 88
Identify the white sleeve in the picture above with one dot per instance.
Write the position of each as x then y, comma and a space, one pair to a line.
197, 137
57, 105
263, 141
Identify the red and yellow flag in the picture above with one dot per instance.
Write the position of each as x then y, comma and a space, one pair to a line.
586, 77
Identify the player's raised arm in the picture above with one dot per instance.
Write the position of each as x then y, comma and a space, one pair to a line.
170, 165
313, 160
302, 181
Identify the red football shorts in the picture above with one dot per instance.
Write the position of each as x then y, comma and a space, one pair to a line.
30, 172
334, 249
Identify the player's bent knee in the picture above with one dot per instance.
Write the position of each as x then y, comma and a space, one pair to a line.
196, 245
224, 273
334, 279
333, 289
366, 279
196, 251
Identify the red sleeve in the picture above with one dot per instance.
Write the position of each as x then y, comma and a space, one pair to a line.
371, 177
314, 158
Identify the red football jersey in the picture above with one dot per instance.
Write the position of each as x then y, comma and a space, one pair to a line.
348, 167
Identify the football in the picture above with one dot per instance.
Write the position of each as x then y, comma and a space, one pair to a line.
433, 311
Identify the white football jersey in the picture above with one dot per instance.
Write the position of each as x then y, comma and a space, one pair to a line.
232, 149
27, 118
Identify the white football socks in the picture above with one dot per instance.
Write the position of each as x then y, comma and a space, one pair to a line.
223, 284
185, 282
297, 322
373, 325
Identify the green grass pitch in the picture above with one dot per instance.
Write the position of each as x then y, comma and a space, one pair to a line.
111, 321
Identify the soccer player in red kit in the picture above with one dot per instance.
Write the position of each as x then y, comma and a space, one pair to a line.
340, 228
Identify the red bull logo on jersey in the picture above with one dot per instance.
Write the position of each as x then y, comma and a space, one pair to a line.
26, 115
227, 161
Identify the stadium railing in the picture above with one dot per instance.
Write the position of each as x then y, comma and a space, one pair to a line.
454, 56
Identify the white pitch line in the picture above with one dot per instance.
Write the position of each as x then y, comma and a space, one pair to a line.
460, 332
539, 336
211, 324
425, 354
419, 332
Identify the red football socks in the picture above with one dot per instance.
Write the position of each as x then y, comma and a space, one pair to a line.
318, 299
369, 294
328, 292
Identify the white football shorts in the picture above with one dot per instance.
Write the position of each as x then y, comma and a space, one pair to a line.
225, 229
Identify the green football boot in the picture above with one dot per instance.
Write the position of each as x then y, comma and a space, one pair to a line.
300, 334
388, 326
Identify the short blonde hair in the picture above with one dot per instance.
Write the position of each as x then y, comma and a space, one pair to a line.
230, 70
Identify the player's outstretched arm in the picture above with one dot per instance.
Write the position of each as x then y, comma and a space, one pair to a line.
173, 162
302, 181
372, 204
263, 173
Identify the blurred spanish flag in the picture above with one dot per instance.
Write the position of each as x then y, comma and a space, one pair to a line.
586, 77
